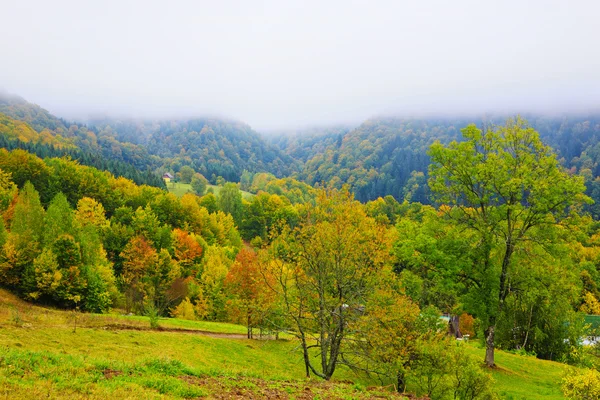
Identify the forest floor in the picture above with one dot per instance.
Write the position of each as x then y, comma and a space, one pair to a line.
61, 354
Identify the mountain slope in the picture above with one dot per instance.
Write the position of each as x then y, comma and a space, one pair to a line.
388, 156
376, 159
214, 147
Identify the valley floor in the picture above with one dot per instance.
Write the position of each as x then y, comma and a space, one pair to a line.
118, 357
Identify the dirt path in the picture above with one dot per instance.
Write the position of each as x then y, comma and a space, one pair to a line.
124, 327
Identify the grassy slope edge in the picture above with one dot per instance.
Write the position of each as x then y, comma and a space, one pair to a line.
41, 356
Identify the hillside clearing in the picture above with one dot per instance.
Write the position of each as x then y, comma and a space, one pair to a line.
41, 356
179, 189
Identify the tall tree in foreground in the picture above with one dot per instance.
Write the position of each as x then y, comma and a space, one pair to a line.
504, 184
326, 271
24, 243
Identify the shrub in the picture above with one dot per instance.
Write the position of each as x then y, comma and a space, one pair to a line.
152, 314
582, 385
185, 310
442, 370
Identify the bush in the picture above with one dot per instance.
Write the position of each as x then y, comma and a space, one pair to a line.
469, 380
442, 370
185, 310
152, 314
582, 385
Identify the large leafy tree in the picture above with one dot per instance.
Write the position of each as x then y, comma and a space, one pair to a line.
326, 270
504, 185
199, 184
23, 243
188, 251
250, 298
139, 257
186, 173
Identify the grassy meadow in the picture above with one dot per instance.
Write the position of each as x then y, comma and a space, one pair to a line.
179, 189
62, 354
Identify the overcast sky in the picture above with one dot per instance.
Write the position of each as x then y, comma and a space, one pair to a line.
284, 64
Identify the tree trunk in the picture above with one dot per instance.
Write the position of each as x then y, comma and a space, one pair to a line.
503, 292
249, 325
489, 345
455, 326
305, 354
528, 328
401, 384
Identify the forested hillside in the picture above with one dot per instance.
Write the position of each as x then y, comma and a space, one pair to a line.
377, 158
213, 147
388, 156
87, 139
381, 157
508, 254
15, 134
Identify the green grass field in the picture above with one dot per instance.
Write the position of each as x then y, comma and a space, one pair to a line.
524, 377
179, 189
42, 356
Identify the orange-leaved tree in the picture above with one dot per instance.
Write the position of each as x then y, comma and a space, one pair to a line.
250, 298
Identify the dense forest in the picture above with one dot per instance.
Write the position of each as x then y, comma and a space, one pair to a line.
388, 156
488, 224
212, 147
381, 157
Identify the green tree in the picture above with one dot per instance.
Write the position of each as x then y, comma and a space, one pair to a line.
216, 264
68, 257
23, 244
159, 280
326, 270
246, 180
209, 201
263, 213
58, 220
28, 214
8, 190
43, 277
146, 223
230, 201
3, 235
186, 173
386, 337
504, 183
167, 208
199, 184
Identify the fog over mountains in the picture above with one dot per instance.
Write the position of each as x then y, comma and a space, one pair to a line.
281, 65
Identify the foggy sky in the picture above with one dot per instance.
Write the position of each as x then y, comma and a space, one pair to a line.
281, 64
